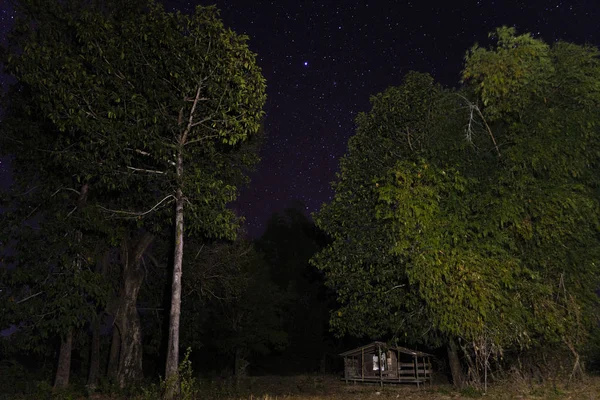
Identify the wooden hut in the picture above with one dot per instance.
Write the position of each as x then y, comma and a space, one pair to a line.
378, 362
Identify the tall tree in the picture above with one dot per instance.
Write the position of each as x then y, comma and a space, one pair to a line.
158, 99
289, 241
48, 214
486, 235
404, 122
546, 199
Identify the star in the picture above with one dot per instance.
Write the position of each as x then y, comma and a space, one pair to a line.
360, 52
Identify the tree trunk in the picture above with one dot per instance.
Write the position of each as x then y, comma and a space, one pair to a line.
115, 349
63, 369
125, 363
455, 366
323, 364
94, 356
94, 372
240, 365
174, 317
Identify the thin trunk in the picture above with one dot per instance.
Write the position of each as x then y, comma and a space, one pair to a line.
63, 369
171, 373
173, 345
455, 367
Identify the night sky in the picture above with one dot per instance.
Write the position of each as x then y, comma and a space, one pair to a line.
323, 59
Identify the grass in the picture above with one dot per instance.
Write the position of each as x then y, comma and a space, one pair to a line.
316, 387
308, 387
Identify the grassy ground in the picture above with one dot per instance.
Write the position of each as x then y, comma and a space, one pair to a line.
331, 388
307, 387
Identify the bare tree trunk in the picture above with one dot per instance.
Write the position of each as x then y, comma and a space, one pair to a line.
171, 372
173, 345
125, 360
127, 318
63, 369
455, 366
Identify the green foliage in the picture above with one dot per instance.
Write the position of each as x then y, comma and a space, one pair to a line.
359, 263
471, 392
54, 286
425, 209
436, 236
88, 72
510, 76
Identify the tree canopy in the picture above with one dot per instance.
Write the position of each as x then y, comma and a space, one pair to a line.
472, 214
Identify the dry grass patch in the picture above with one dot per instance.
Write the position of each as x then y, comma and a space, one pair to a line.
307, 387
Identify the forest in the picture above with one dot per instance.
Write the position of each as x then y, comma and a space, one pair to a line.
465, 220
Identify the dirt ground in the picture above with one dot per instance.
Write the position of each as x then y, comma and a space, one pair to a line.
332, 388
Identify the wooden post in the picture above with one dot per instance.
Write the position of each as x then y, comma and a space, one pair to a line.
398, 363
430, 371
346, 369
417, 370
362, 365
380, 367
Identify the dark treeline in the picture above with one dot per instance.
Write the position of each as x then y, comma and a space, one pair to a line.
464, 221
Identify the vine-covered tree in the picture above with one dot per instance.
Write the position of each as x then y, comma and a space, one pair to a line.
470, 217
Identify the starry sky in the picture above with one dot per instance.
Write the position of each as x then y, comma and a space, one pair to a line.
6, 18
324, 59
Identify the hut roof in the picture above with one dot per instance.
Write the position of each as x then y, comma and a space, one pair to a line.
384, 346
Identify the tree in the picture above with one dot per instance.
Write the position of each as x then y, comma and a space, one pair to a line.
157, 99
546, 198
53, 288
485, 236
125, 359
358, 264
287, 245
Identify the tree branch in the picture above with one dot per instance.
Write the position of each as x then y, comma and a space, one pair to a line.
29, 297
145, 153
473, 107
132, 214
190, 124
149, 171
